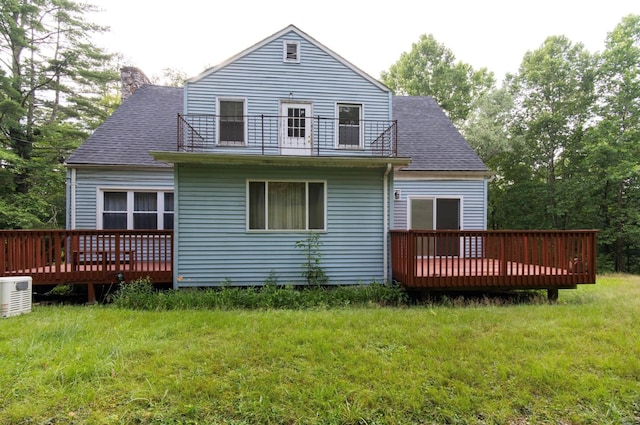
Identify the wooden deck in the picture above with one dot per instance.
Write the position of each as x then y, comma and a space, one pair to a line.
421, 260
87, 257
484, 260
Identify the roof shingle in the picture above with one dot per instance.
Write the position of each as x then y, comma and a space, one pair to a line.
429, 138
145, 121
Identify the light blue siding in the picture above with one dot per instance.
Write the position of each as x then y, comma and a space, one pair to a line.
472, 193
264, 80
89, 180
215, 248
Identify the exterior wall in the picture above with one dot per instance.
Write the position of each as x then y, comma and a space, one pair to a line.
214, 247
89, 180
472, 192
264, 80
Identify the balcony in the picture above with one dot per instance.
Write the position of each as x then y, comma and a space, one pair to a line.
287, 135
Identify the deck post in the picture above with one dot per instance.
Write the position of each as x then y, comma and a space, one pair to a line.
552, 294
91, 293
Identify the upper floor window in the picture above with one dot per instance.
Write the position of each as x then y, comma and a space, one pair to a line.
286, 205
128, 209
349, 125
231, 121
291, 51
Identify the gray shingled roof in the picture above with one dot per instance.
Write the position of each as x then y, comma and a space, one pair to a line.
145, 121
429, 138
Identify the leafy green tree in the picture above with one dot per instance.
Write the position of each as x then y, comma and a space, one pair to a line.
614, 148
553, 94
430, 69
171, 77
52, 78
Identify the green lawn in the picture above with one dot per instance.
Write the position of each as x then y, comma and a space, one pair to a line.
575, 362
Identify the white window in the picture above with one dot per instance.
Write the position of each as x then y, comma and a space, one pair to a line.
436, 214
232, 128
291, 51
286, 205
349, 125
129, 209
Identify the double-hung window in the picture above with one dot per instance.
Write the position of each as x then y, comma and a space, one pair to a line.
349, 125
232, 129
128, 209
286, 205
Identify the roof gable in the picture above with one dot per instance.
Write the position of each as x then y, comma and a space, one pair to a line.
280, 34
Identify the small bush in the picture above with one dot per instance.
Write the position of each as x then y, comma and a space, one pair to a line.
140, 295
137, 294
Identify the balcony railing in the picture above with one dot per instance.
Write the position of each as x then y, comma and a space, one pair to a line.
265, 135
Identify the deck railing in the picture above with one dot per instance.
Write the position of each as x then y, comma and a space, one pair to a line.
87, 256
500, 259
262, 135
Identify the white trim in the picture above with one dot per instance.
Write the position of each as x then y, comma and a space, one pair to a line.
402, 175
285, 44
386, 208
435, 212
130, 191
360, 126
435, 198
244, 117
284, 104
73, 195
266, 212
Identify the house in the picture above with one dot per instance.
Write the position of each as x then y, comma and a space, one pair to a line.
283, 140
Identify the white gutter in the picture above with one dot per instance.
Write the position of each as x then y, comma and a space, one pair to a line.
72, 201
385, 231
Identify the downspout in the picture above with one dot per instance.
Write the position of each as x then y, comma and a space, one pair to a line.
72, 200
385, 225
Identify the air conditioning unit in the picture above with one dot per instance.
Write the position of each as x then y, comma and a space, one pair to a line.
15, 295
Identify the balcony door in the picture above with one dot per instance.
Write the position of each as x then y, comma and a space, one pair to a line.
436, 214
296, 129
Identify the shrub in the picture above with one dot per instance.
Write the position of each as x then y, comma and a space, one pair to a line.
140, 295
313, 271
137, 294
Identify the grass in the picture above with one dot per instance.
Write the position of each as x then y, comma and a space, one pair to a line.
575, 362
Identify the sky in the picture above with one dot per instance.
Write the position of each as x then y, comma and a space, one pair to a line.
193, 35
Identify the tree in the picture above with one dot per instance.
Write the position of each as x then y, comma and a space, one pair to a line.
614, 148
553, 94
171, 77
52, 77
430, 69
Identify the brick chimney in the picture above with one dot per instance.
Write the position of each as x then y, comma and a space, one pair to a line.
132, 79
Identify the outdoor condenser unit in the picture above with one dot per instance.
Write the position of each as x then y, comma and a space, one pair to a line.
15, 295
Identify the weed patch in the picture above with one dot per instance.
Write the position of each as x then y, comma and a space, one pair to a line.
140, 295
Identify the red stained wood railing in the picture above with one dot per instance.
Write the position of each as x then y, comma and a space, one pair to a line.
500, 259
87, 256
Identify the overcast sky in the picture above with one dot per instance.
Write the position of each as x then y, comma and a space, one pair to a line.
192, 35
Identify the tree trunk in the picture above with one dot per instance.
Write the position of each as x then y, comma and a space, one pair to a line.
619, 263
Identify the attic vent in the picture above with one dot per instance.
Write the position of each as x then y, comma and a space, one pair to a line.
291, 51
